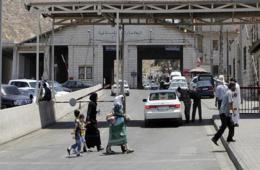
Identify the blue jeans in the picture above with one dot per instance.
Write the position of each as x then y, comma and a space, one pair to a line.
77, 145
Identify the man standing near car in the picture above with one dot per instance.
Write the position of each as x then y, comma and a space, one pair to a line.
185, 97
196, 104
225, 114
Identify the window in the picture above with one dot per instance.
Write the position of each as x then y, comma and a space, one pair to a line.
215, 45
20, 84
81, 72
244, 58
85, 72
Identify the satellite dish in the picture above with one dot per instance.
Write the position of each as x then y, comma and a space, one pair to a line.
73, 102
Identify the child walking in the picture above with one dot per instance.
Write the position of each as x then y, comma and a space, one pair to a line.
79, 133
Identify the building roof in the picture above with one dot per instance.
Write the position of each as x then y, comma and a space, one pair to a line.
141, 1
18, 23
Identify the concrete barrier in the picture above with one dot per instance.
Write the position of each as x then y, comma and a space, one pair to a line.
19, 121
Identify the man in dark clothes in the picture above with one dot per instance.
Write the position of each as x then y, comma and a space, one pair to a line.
47, 93
185, 97
196, 104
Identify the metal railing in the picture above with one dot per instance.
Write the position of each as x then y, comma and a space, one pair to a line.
250, 100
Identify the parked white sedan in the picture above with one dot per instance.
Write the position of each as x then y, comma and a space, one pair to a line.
162, 104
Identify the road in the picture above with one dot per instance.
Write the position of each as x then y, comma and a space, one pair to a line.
160, 147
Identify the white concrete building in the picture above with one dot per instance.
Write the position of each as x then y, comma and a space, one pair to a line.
88, 52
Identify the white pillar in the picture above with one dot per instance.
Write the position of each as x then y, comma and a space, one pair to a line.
117, 51
37, 54
52, 58
15, 64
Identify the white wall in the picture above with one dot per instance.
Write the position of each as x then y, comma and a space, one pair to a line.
19, 121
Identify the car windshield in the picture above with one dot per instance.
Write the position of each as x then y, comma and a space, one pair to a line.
162, 96
179, 80
203, 83
32, 84
178, 85
11, 90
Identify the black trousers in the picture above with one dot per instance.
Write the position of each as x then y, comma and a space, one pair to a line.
226, 121
187, 111
196, 104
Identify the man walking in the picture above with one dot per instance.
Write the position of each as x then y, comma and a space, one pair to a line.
185, 97
226, 115
196, 104
236, 102
220, 92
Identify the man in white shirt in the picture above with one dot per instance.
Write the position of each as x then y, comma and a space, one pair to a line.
225, 113
220, 92
236, 104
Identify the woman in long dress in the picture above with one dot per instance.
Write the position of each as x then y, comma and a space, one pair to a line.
117, 130
92, 133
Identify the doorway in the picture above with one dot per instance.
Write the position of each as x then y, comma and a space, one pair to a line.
159, 56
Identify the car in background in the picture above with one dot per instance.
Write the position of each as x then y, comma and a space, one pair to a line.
25, 86
193, 83
75, 85
175, 85
126, 88
205, 89
206, 77
11, 96
162, 104
147, 86
154, 86
59, 86
175, 74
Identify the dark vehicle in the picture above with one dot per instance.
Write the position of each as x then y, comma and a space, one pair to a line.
75, 85
206, 77
205, 89
11, 96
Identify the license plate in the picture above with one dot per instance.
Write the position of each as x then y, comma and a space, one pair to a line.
205, 89
163, 108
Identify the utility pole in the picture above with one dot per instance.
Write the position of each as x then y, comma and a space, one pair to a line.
1, 68
220, 70
227, 57
122, 66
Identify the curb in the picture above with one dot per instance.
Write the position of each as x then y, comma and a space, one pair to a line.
229, 150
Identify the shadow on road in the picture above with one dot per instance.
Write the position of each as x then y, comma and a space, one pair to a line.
137, 123
243, 116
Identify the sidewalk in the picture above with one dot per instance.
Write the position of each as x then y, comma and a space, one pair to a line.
246, 150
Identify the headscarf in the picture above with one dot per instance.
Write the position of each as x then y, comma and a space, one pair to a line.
93, 97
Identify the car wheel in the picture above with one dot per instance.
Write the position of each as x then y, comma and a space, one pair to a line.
127, 94
146, 123
112, 94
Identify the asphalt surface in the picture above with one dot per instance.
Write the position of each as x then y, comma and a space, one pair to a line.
160, 147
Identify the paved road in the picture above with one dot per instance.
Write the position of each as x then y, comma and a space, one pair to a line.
160, 147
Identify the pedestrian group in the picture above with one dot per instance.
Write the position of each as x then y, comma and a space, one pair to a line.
86, 131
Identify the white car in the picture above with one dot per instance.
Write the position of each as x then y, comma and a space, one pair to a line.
126, 88
178, 82
25, 86
175, 74
162, 104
